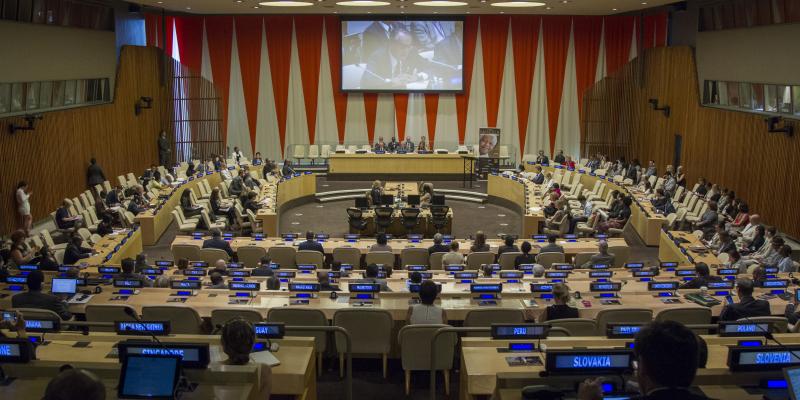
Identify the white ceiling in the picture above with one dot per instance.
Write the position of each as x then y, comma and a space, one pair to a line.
551, 7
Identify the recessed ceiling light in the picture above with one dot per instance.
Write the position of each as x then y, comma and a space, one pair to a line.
440, 3
518, 4
613, 9
564, 1
548, 8
286, 3
402, 6
160, 2
188, 8
256, 7
363, 3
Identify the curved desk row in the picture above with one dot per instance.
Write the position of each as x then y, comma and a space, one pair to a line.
520, 195
289, 192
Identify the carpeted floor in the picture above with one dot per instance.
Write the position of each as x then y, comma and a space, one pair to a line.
368, 382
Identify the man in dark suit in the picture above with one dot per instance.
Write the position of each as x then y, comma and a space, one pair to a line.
94, 174
216, 242
438, 247
551, 246
539, 177
264, 268
127, 266
34, 298
668, 355
703, 277
311, 244
397, 64
163, 149
375, 37
747, 307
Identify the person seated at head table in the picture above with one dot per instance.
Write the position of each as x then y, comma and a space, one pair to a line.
371, 276
702, 279
508, 246
668, 356
75, 251
217, 242
541, 158
257, 160
392, 146
325, 282
479, 244
311, 244
381, 244
237, 339
75, 384
408, 145
453, 256
273, 283
570, 163
602, 256
216, 281
423, 144
426, 312
263, 268
34, 298
128, 267
438, 247
747, 307
525, 257
379, 145
561, 308
559, 158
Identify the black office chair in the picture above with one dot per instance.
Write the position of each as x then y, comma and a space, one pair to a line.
410, 218
439, 217
383, 218
541, 392
356, 219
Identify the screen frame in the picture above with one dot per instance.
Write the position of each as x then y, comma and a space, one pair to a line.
406, 18
124, 370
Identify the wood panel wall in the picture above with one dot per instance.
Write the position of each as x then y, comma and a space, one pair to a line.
729, 148
53, 157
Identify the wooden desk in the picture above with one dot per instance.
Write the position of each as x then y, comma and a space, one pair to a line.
129, 247
669, 251
521, 194
395, 164
482, 366
154, 222
288, 191
401, 189
294, 377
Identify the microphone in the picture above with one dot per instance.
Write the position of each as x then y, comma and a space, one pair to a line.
132, 313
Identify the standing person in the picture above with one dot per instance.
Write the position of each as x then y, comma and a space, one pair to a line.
163, 149
23, 196
94, 174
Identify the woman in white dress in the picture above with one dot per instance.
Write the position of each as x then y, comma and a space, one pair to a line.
24, 206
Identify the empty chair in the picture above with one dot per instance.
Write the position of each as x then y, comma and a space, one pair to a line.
415, 351
383, 218
582, 258
309, 257
687, 316
621, 255
370, 332
347, 255
48, 240
209, 224
313, 152
186, 227
381, 258
187, 251
108, 313
622, 315
283, 255
212, 255
299, 153
356, 220
250, 256
506, 260
478, 258
303, 317
413, 256
575, 326
435, 260
221, 316
325, 152
487, 317
183, 319
547, 259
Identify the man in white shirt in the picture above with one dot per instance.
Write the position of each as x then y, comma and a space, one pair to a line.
747, 233
454, 256
237, 154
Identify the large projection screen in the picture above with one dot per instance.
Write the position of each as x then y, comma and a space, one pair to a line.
402, 55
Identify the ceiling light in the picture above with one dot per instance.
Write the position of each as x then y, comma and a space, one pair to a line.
613, 9
256, 7
286, 3
363, 3
518, 4
188, 8
440, 3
